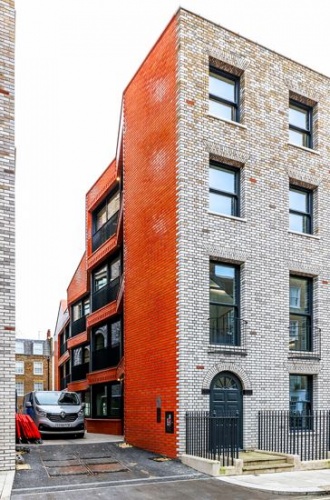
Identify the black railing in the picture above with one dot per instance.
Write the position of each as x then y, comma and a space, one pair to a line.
78, 326
298, 433
215, 438
105, 232
105, 295
105, 358
304, 341
63, 348
65, 381
79, 372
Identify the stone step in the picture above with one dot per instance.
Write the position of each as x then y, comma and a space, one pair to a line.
267, 468
265, 461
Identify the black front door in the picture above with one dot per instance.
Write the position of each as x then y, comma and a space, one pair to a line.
226, 400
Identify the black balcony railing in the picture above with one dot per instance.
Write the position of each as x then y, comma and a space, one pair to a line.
65, 381
78, 326
304, 341
105, 232
215, 438
63, 348
105, 295
79, 372
105, 358
228, 332
298, 433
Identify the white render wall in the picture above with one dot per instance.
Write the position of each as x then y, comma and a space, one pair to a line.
7, 237
260, 240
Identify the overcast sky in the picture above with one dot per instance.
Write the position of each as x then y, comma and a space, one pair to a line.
74, 58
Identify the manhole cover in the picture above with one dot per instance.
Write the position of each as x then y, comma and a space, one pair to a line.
67, 471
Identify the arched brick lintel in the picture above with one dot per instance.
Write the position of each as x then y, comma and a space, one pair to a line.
227, 367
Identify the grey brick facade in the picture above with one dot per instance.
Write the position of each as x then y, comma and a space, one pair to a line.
7, 237
259, 241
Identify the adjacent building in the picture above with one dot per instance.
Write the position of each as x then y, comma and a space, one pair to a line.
205, 282
7, 236
34, 367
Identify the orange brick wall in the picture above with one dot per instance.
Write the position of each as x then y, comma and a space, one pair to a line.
78, 286
150, 247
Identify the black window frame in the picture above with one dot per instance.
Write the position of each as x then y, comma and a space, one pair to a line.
307, 316
301, 415
308, 215
307, 132
215, 333
234, 105
235, 197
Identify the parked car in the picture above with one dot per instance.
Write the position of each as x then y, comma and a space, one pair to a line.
56, 412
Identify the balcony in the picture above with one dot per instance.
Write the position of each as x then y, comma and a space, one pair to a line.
78, 326
105, 232
304, 342
105, 295
107, 357
227, 335
79, 372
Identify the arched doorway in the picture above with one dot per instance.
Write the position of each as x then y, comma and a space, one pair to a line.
226, 398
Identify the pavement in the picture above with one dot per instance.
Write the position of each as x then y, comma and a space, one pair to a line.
146, 466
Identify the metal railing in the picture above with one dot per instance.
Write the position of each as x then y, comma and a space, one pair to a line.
105, 358
78, 326
105, 295
304, 341
227, 331
215, 438
105, 232
298, 433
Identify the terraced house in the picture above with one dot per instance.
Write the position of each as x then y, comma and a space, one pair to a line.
7, 235
206, 278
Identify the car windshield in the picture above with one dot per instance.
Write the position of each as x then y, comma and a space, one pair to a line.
57, 397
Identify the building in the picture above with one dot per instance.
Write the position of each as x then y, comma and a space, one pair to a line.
34, 367
7, 236
206, 278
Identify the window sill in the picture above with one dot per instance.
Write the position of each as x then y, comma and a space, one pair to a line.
232, 217
231, 122
303, 148
312, 236
227, 349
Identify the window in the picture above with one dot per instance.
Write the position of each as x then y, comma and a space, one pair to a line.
107, 210
300, 329
20, 388
224, 304
19, 367
223, 95
38, 348
301, 391
107, 400
224, 189
300, 206
38, 368
115, 333
19, 347
80, 309
101, 338
100, 278
38, 386
300, 124
77, 356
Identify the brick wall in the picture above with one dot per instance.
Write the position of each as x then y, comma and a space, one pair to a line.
7, 237
150, 247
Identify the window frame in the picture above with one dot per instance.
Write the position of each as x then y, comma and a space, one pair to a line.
40, 370
19, 347
235, 306
19, 383
307, 216
296, 314
307, 132
40, 345
234, 105
235, 196
301, 418
22, 365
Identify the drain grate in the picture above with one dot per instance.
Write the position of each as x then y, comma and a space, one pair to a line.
80, 466
160, 459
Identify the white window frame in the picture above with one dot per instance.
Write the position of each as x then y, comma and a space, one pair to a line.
38, 348
38, 368
38, 386
19, 388
19, 369
19, 347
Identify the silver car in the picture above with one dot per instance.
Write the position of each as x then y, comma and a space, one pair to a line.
56, 412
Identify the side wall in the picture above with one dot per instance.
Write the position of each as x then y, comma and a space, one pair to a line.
7, 237
150, 248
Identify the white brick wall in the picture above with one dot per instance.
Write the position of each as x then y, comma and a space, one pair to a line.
260, 242
7, 237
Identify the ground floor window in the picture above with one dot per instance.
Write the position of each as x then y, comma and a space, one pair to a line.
301, 387
107, 400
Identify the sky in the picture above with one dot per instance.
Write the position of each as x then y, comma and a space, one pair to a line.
74, 59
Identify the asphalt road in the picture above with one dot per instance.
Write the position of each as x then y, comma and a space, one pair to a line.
108, 470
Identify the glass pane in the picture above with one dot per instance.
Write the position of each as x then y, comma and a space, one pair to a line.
222, 180
300, 396
113, 205
299, 138
221, 110
223, 87
223, 325
298, 117
300, 333
298, 201
299, 223
115, 269
100, 278
101, 217
221, 204
222, 284
299, 295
